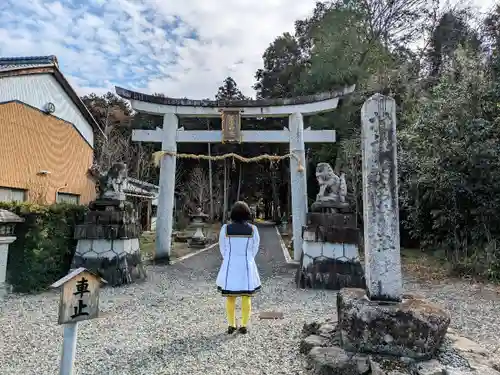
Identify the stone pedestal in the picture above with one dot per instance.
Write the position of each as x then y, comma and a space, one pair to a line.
108, 242
330, 258
413, 328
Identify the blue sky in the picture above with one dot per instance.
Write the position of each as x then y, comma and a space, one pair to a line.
183, 48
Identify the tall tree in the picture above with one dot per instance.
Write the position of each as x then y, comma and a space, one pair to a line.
229, 91
282, 68
451, 32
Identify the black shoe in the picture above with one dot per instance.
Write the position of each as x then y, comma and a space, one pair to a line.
243, 330
231, 330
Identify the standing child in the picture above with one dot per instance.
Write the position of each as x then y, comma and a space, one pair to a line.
238, 275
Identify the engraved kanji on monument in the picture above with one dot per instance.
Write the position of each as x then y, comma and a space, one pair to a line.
380, 199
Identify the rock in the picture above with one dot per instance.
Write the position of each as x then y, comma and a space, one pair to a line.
432, 367
475, 354
413, 328
336, 361
327, 330
465, 345
375, 367
482, 370
313, 341
310, 328
381, 365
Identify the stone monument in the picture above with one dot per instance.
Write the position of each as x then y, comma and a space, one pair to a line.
381, 330
330, 257
108, 240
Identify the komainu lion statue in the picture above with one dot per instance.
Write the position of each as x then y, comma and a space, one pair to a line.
331, 186
111, 184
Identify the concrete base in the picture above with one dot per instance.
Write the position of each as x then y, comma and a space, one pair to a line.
116, 261
332, 266
413, 328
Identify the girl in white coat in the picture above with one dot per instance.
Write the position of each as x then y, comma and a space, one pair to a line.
238, 275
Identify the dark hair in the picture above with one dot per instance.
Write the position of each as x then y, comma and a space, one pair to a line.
240, 212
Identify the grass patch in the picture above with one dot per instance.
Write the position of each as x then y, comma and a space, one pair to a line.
147, 243
429, 266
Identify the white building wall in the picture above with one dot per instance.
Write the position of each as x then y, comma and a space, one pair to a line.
39, 89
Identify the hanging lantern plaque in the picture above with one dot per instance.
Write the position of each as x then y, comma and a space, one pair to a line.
231, 126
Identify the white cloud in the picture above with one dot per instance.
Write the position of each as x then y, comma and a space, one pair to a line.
148, 44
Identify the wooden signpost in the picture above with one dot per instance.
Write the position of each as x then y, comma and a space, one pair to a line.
79, 302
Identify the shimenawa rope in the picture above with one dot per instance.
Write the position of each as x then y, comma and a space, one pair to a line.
272, 158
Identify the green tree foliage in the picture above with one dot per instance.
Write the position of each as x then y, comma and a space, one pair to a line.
452, 31
445, 76
44, 248
450, 159
229, 91
282, 69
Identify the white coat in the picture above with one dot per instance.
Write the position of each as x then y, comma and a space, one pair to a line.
238, 274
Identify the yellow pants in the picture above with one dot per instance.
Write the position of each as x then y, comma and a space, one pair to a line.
246, 308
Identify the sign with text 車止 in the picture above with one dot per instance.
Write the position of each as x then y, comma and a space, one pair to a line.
79, 296
231, 126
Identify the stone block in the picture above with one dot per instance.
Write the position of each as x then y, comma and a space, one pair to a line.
336, 361
432, 367
313, 341
326, 265
116, 261
331, 219
332, 234
412, 328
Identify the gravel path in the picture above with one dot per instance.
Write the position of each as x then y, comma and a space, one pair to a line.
175, 322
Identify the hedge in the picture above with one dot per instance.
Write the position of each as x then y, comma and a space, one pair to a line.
44, 247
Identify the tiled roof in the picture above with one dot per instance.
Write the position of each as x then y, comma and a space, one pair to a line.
14, 63
10, 66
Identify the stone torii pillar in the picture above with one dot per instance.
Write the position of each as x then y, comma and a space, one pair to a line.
171, 109
166, 197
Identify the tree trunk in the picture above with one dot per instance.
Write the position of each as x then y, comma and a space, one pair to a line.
239, 181
210, 182
148, 215
276, 201
224, 209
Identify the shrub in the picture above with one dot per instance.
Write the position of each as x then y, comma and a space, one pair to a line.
44, 247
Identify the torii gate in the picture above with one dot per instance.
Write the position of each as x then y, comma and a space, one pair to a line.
171, 109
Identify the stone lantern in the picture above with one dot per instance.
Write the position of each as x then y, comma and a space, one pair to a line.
198, 222
8, 221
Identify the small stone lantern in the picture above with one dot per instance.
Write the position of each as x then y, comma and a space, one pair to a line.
8, 221
198, 222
